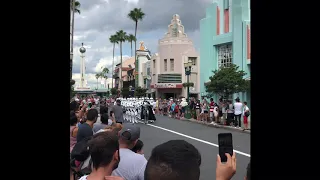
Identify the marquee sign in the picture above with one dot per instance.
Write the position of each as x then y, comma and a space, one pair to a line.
166, 85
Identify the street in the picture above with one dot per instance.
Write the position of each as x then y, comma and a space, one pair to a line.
204, 138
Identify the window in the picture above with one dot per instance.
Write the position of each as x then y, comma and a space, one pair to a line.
154, 63
171, 64
165, 65
193, 60
169, 78
224, 55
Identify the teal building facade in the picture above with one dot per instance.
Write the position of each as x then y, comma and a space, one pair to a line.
224, 39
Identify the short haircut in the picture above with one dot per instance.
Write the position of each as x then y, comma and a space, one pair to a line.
103, 109
92, 114
245, 103
73, 118
104, 118
138, 146
74, 106
174, 160
102, 148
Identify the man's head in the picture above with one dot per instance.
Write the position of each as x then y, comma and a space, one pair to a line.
211, 99
245, 103
237, 99
104, 150
174, 160
138, 147
92, 115
118, 102
104, 118
129, 135
74, 106
103, 109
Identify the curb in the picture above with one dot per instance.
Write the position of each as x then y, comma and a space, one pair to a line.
215, 126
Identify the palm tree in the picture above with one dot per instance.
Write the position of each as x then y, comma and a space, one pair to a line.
97, 77
77, 6
104, 75
136, 15
121, 37
131, 38
77, 10
114, 41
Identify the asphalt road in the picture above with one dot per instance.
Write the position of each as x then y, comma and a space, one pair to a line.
204, 138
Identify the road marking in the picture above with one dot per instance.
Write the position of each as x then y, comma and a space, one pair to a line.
196, 139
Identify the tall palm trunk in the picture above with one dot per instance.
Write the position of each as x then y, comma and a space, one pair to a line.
135, 56
72, 31
120, 64
114, 44
131, 48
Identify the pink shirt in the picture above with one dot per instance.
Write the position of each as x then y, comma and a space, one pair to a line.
73, 140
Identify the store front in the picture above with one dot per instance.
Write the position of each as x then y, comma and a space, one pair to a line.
168, 90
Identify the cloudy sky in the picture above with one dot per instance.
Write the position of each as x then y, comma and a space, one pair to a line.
101, 18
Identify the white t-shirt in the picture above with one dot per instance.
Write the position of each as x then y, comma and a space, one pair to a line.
237, 108
131, 166
245, 109
154, 104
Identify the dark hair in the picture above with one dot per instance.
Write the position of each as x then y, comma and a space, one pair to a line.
174, 160
74, 106
92, 114
103, 109
138, 146
237, 100
110, 114
248, 172
211, 99
73, 118
245, 103
104, 118
102, 148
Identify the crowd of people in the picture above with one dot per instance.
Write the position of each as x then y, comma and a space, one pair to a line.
102, 146
224, 112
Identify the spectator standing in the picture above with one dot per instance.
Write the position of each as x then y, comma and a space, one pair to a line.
132, 165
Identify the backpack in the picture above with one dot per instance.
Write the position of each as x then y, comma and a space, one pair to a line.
80, 151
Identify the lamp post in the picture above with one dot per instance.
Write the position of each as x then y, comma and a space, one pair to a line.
187, 67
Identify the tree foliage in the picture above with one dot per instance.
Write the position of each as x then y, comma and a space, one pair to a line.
125, 92
140, 92
113, 91
227, 81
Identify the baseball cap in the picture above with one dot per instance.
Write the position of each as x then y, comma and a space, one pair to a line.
130, 132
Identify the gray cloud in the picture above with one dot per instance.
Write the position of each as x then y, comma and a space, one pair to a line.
101, 18
113, 15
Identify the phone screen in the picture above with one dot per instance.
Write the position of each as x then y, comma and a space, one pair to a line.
225, 145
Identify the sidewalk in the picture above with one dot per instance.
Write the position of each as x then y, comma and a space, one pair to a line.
217, 126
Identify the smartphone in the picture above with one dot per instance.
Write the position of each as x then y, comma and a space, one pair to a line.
225, 145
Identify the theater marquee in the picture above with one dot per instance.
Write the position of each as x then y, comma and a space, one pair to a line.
166, 86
